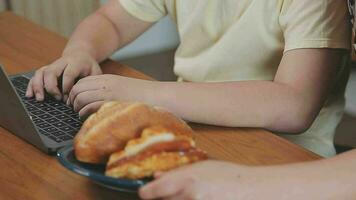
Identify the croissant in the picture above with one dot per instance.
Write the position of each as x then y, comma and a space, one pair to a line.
115, 123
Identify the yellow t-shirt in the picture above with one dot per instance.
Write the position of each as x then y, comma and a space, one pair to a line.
235, 40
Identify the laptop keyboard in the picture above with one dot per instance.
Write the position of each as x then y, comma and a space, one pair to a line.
52, 118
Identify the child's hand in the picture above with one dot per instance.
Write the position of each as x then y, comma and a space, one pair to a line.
89, 93
72, 66
203, 180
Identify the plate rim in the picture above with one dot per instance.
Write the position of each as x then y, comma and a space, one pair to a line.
110, 182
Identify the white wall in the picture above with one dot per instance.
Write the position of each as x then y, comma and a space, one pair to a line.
350, 94
2, 5
153, 52
60, 16
161, 37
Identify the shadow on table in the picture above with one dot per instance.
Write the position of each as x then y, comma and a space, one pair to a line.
98, 192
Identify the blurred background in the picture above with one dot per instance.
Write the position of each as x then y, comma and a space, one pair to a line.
153, 52
155, 48
60, 16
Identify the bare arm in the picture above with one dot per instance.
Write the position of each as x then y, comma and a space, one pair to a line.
333, 178
289, 103
108, 29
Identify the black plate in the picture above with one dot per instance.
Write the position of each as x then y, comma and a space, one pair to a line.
97, 172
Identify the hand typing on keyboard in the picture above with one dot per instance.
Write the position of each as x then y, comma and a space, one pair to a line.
89, 93
71, 66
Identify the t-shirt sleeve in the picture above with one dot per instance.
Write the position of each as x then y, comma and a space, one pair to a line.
145, 10
315, 24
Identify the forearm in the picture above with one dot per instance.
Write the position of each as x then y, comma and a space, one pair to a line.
333, 178
263, 104
287, 104
95, 36
105, 31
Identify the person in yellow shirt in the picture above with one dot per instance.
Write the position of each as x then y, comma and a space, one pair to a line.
332, 178
277, 64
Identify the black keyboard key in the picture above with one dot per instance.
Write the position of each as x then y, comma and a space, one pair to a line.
31, 101
37, 121
70, 112
31, 108
59, 124
76, 116
62, 117
65, 128
76, 124
44, 116
58, 133
69, 120
50, 129
43, 125
40, 105
65, 137
63, 108
37, 112
47, 109
55, 104
24, 98
52, 120
21, 87
22, 79
15, 83
55, 112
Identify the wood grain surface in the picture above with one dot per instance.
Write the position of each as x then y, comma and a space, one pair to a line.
29, 174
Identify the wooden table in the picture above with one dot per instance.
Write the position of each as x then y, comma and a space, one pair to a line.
27, 173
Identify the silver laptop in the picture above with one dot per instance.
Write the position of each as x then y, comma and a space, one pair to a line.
48, 125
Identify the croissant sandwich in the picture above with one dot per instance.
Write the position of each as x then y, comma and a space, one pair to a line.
158, 149
139, 140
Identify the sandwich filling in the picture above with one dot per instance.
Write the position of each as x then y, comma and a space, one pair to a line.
151, 143
132, 150
157, 149
182, 147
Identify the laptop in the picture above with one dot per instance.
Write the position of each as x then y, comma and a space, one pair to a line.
48, 125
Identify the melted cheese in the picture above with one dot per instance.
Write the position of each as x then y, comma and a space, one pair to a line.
135, 149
